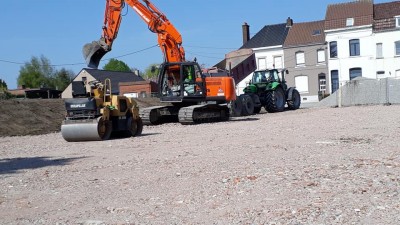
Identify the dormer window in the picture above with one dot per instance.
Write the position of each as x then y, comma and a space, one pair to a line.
397, 18
350, 22
316, 32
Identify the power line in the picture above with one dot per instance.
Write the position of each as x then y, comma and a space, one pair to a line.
209, 47
74, 64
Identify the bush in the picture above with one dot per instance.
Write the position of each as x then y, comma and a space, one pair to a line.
6, 95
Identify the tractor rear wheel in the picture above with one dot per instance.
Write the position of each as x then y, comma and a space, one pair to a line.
235, 107
247, 105
295, 102
275, 100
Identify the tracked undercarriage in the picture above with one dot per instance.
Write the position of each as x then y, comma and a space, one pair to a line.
193, 114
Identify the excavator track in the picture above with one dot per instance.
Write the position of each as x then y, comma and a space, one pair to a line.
203, 114
159, 114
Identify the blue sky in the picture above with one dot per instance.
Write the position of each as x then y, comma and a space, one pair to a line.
210, 28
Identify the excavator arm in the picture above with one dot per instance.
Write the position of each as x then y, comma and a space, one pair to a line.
169, 38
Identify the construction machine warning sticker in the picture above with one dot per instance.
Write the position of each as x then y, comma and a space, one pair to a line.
220, 92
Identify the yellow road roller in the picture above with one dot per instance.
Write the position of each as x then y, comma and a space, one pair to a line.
95, 114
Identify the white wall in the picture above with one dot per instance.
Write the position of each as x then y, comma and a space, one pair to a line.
389, 63
344, 62
367, 60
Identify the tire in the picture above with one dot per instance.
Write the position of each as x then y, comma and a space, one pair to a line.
257, 109
104, 128
135, 127
139, 127
295, 102
235, 107
248, 105
275, 101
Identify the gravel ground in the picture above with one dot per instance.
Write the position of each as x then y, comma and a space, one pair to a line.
310, 166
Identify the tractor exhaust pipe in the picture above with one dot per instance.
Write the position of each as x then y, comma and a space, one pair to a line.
94, 52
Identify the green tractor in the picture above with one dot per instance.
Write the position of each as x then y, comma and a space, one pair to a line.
266, 89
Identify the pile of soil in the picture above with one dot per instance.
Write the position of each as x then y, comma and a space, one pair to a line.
20, 117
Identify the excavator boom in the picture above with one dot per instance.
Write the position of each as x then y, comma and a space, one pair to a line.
169, 39
180, 82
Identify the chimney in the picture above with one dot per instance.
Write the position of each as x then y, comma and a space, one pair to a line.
246, 32
289, 22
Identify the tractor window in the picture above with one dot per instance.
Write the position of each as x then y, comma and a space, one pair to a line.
260, 77
275, 74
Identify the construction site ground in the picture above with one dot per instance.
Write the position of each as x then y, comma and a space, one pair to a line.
309, 166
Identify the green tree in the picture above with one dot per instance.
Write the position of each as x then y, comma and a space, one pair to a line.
152, 71
3, 85
40, 73
116, 65
36, 73
62, 79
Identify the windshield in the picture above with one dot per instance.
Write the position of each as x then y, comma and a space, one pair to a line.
260, 76
265, 76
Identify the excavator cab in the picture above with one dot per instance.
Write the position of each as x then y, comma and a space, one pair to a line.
181, 82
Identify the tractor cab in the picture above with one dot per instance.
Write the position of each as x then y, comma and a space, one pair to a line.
265, 76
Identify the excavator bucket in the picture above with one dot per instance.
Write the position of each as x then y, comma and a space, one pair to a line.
93, 52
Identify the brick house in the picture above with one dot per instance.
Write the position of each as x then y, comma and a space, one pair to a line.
137, 89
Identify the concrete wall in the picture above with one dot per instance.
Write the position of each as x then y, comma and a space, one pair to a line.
365, 92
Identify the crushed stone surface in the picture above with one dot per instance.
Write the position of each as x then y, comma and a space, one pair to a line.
309, 166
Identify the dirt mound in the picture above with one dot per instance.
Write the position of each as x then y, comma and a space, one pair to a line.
21, 117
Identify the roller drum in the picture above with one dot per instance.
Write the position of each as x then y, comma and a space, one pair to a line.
86, 130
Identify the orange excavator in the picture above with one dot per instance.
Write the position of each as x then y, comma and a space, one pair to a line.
194, 98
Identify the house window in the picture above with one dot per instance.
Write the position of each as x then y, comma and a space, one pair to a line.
380, 74
322, 82
301, 83
355, 72
300, 61
316, 32
334, 80
321, 55
397, 46
379, 52
278, 62
262, 63
333, 49
397, 18
349, 22
354, 47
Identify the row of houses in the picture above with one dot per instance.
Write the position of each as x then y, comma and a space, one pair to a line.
356, 39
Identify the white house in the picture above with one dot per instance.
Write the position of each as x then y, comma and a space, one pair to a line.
267, 46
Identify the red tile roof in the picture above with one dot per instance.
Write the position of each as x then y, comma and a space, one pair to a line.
304, 34
384, 14
386, 10
361, 11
